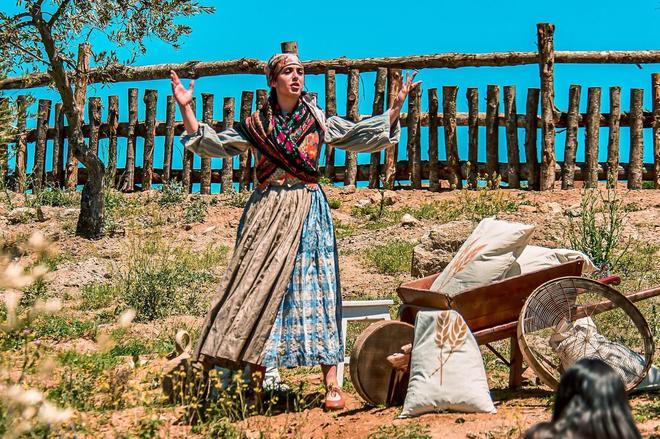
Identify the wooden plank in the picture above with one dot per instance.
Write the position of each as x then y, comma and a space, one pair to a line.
262, 99
150, 101
414, 134
353, 114
391, 152
39, 168
330, 110
531, 137
227, 176
513, 154
636, 138
655, 84
570, 148
244, 165
451, 143
21, 144
492, 134
4, 147
188, 157
128, 179
434, 181
545, 34
613, 137
113, 124
94, 123
377, 108
57, 178
207, 117
473, 136
592, 136
168, 145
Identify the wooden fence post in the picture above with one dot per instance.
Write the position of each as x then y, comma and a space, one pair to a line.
414, 135
451, 144
636, 138
378, 108
188, 156
262, 98
531, 137
128, 178
570, 148
168, 145
150, 100
545, 33
94, 117
58, 147
21, 144
113, 125
492, 133
592, 128
434, 180
227, 176
473, 136
289, 47
655, 81
391, 153
353, 114
39, 168
613, 137
330, 110
513, 154
244, 158
207, 118
4, 147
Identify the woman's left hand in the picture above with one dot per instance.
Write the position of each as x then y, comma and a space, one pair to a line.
404, 88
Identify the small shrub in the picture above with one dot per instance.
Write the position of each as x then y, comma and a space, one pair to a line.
392, 257
59, 327
97, 295
239, 199
195, 212
342, 230
324, 181
37, 290
55, 196
161, 279
404, 431
598, 231
171, 193
334, 203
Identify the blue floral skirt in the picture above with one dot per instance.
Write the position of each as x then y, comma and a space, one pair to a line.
307, 329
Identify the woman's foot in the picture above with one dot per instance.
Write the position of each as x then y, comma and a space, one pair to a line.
334, 400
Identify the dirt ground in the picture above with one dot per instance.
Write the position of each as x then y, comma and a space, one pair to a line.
92, 261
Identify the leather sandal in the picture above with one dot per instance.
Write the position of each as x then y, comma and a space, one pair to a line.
334, 403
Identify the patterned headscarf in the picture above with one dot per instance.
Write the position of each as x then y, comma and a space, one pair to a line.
277, 63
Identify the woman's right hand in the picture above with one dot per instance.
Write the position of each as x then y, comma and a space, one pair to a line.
182, 95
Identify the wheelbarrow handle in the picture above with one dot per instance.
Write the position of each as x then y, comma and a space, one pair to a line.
610, 280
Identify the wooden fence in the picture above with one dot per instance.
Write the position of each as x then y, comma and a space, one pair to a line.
441, 112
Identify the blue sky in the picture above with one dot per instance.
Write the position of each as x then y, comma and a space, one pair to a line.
254, 29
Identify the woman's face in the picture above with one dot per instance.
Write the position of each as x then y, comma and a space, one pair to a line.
290, 82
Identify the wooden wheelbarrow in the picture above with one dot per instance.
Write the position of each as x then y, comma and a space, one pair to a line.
491, 312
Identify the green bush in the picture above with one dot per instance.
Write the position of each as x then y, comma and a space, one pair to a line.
392, 257
598, 231
97, 295
161, 279
171, 193
195, 212
55, 196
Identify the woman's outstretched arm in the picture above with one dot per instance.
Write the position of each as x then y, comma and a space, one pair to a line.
199, 137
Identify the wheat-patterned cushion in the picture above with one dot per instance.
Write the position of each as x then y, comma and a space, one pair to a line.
535, 258
486, 256
446, 369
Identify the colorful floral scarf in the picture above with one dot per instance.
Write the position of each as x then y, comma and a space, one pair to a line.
279, 137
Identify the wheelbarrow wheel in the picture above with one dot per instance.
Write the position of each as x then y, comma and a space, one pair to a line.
372, 376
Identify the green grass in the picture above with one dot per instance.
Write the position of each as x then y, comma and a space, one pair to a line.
171, 193
97, 296
413, 430
649, 410
392, 257
55, 196
195, 212
161, 279
60, 328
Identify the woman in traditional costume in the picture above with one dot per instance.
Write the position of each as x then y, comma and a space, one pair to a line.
279, 302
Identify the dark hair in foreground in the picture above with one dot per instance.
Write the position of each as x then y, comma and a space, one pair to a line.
591, 402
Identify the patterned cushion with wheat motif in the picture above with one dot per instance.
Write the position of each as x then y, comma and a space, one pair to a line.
485, 256
446, 370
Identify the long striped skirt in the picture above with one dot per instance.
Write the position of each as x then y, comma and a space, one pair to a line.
307, 329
